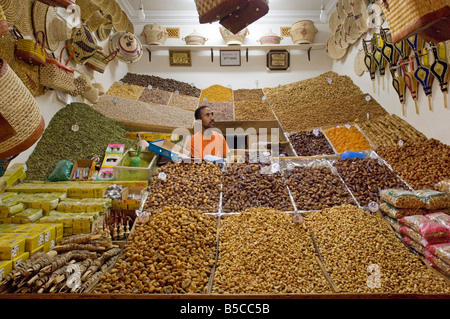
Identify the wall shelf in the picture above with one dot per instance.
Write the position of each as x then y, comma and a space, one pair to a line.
304, 47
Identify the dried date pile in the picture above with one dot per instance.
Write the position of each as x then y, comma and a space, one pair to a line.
316, 188
366, 177
191, 185
309, 143
253, 185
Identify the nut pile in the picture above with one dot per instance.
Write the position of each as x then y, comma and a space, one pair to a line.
308, 143
125, 90
173, 253
216, 93
184, 101
155, 96
127, 110
191, 185
421, 164
318, 101
223, 111
389, 130
347, 139
366, 177
248, 95
170, 85
262, 250
253, 110
316, 188
358, 248
253, 185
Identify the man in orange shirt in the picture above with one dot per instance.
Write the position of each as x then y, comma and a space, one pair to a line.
206, 141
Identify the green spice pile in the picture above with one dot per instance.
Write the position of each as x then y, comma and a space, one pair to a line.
62, 142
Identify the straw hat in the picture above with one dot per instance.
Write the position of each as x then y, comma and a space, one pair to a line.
10, 8
352, 32
333, 50
95, 21
116, 11
104, 30
7, 47
359, 66
57, 30
130, 27
347, 6
340, 38
123, 22
23, 21
39, 14
361, 15
87, 8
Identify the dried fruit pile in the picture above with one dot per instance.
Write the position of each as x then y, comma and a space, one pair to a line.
421, 164
192, 185
173, 253
262, 250
363, 255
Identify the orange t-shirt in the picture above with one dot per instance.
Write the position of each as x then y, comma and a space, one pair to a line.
199, 146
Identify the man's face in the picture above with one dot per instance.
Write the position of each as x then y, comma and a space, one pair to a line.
207, 118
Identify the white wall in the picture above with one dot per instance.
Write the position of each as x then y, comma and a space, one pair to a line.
204, 73
434, 123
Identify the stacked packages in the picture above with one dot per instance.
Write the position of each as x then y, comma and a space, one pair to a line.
421, 218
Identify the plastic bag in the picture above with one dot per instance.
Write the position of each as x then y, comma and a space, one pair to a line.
440, 218
441, 250
443, 186
434, 199
425, 226
401, 198
398, 213
414, 245
437, 263
411, 233
61, 172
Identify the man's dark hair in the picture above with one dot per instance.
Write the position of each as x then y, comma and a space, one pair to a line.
198, 112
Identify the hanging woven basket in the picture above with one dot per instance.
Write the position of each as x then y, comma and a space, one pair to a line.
21, 121
429, 19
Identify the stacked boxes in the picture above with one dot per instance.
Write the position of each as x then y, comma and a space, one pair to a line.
113, 154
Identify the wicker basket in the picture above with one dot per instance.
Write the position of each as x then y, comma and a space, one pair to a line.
428, 18
21, 120
214, 10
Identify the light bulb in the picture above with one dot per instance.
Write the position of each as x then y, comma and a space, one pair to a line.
323, 15
141, 15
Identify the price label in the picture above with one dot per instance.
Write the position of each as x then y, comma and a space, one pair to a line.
330, 80
275, 168
348, 126
297, 219
115, 100
400, 143
368, 115
205, 99
264, 98
162, 176
143, 216
316, 132
368, 98
75, 128
177, 92
373, 207
150, 87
